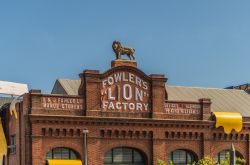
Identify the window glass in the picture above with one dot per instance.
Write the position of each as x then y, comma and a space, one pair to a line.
49, 155
127, 155
64, 153
181, 157
61, 153
189, 158
72, 155
57, 153
137, 157
117, 155
223, 154
124, 156
12, 144
108, 157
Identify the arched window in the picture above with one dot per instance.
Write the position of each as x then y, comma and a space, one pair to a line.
181, 157
223, 154
124, 156
62, 153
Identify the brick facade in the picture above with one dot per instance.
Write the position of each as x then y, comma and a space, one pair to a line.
49, 121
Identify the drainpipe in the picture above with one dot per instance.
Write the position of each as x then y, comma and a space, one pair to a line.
232, 155
85, 134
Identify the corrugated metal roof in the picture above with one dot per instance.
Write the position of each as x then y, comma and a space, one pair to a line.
224, 100
70, 86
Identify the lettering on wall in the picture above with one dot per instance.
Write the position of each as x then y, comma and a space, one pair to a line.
182, 108
61, 103
125, 91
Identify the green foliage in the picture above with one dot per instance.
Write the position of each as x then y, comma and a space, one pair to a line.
206, 161
194, 163
161, 162
226, 161
171, 163
239, 161
209, 161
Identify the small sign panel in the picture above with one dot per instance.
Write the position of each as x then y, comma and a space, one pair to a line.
11, 88
182, 108
61, 103
125, 91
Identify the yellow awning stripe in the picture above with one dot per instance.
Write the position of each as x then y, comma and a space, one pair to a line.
3, 144
64, 162
229, 121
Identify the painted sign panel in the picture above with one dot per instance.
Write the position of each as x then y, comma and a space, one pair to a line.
125, 91
61, 103
182, 108
12, 88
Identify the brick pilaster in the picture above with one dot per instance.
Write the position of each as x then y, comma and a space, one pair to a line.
90, 89
158, 94
205, 108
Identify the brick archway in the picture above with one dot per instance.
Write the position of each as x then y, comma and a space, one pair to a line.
61, 144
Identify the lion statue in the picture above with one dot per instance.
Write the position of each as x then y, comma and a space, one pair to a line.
122, 50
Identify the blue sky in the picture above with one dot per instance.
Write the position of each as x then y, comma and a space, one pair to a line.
193, 42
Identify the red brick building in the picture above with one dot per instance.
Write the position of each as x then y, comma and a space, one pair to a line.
132, 119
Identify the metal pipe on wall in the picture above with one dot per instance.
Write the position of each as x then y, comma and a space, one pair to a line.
85, 134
